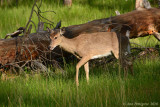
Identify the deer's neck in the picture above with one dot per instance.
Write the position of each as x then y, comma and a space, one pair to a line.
68, 45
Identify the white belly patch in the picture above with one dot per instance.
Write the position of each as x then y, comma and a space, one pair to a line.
100, 56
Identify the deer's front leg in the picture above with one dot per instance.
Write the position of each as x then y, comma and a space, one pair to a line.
80, 63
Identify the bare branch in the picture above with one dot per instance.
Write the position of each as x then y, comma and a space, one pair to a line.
30, 17
48, 11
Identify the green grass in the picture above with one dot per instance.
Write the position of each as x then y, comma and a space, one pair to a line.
82, 11
59, 89
105, 87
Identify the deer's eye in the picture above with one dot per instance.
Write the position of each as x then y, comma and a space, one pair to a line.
55, 37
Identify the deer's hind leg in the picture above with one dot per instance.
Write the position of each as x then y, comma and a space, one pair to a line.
122, 61
130, 66
117, 55
127, 65
86, 68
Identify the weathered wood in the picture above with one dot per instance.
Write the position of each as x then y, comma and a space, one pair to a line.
16, 50
142, 4
140, 23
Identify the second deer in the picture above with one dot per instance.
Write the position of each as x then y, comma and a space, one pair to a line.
92, 46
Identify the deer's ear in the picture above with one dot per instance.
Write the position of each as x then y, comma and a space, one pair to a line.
58, 25
48, 30
62, 31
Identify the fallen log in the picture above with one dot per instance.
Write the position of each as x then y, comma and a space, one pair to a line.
139, 22
35, 46
16, 50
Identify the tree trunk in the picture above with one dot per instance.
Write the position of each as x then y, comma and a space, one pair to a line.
1, 2
140, 23
68, 3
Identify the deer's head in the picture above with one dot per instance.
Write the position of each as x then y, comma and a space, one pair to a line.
56, 36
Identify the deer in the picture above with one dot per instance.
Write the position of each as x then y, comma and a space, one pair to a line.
91, 46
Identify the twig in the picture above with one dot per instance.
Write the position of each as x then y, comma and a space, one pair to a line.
147, 40
49, 11
30, 18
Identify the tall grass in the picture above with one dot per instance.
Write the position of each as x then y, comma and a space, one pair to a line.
105, 87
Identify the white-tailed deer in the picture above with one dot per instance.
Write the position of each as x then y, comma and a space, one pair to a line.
91, 46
